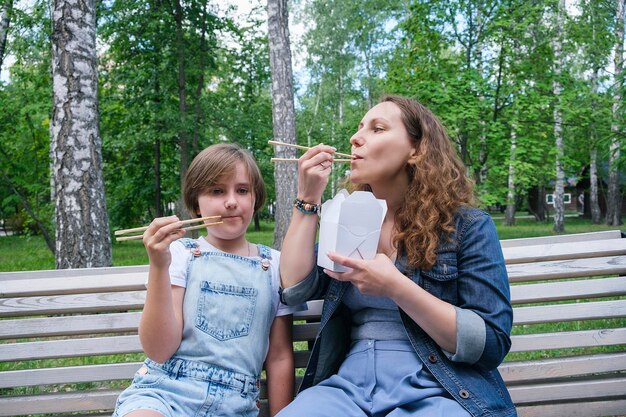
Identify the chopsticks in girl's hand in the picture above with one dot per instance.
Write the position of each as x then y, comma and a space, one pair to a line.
144, 228
304, 148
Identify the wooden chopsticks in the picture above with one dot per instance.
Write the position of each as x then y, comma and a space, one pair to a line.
144, 228
304, 148
296, 160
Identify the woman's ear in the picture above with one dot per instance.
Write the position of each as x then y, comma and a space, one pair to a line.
412, 157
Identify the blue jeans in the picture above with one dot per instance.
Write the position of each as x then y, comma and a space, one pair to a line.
377, 378
180, 387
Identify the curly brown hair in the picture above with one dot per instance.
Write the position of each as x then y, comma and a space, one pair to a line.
438, 186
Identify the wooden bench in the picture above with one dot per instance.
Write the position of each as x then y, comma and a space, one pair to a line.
569, 296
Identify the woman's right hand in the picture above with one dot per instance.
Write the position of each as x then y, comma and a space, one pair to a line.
314, 168
157, 239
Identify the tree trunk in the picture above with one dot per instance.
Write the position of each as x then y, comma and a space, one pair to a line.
283, 113
510, 196
540, 209
82, 225
593, 154
614, 198
183, 140
5, 19
557, 88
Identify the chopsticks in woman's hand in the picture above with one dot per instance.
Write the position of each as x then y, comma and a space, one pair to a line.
296, 160
144, 228
304, 148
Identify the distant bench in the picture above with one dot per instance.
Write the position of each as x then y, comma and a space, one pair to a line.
569, 296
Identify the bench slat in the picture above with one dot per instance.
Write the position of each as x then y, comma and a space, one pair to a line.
586, 409
512, 372
101, 323
577, 237
78, 272
537, 370
569, 312
84, 347
65, 304
568, 290
301, 358
564, 340
569, 268
130, 344
70, 325
574, 250
74, 285
68, 374
581, 390
59, 403
69, 348
305, 331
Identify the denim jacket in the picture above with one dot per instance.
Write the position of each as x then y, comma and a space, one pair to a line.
470, 274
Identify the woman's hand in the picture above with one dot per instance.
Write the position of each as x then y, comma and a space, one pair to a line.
314, 168
161, 232
377, 277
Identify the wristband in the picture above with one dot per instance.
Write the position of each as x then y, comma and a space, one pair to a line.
307, 208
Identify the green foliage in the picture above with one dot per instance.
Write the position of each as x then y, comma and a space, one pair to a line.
24, 121
486, 68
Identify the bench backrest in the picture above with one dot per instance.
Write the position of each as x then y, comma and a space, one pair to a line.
569, 297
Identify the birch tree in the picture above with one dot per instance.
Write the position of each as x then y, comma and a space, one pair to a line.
82, 227
5, 19
557, 89
283, 113
614, 198
511, 189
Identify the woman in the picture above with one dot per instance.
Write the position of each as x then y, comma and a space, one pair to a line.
421, 328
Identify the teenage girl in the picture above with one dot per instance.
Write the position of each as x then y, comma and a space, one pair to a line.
212, 314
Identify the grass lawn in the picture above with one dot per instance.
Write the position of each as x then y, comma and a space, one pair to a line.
28, 253
531, 228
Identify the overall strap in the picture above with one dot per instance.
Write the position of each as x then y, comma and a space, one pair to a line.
264, 251
188, 243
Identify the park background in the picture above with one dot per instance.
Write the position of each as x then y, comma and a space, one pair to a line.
531, 94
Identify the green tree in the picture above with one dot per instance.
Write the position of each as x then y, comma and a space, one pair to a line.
24, 119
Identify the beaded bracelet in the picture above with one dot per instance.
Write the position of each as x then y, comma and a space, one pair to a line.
307, 208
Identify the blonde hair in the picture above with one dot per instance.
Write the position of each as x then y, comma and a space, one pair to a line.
438, 186
212, 165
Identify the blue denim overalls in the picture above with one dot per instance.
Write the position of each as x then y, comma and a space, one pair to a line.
227, 313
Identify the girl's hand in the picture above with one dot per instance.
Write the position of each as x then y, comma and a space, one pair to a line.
376, 277
314, 168
161, 232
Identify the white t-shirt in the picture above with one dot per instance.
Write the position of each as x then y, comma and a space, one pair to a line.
180, 260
